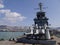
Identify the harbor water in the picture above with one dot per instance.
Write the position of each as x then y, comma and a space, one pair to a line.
8, 35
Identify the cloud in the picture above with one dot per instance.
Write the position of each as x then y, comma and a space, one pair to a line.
12, 16
1, 4
8, 17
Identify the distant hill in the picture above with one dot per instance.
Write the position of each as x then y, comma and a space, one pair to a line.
22, 28
13, 28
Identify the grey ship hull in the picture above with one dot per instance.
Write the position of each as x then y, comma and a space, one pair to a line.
31, 41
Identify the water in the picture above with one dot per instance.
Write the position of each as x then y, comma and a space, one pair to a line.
8, 35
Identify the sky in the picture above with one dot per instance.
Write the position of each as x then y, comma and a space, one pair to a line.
22, 12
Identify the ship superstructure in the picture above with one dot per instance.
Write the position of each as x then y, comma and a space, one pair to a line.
40, 29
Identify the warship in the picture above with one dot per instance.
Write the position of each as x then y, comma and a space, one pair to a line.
40, 33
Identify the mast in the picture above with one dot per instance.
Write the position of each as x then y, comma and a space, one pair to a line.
40, 5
